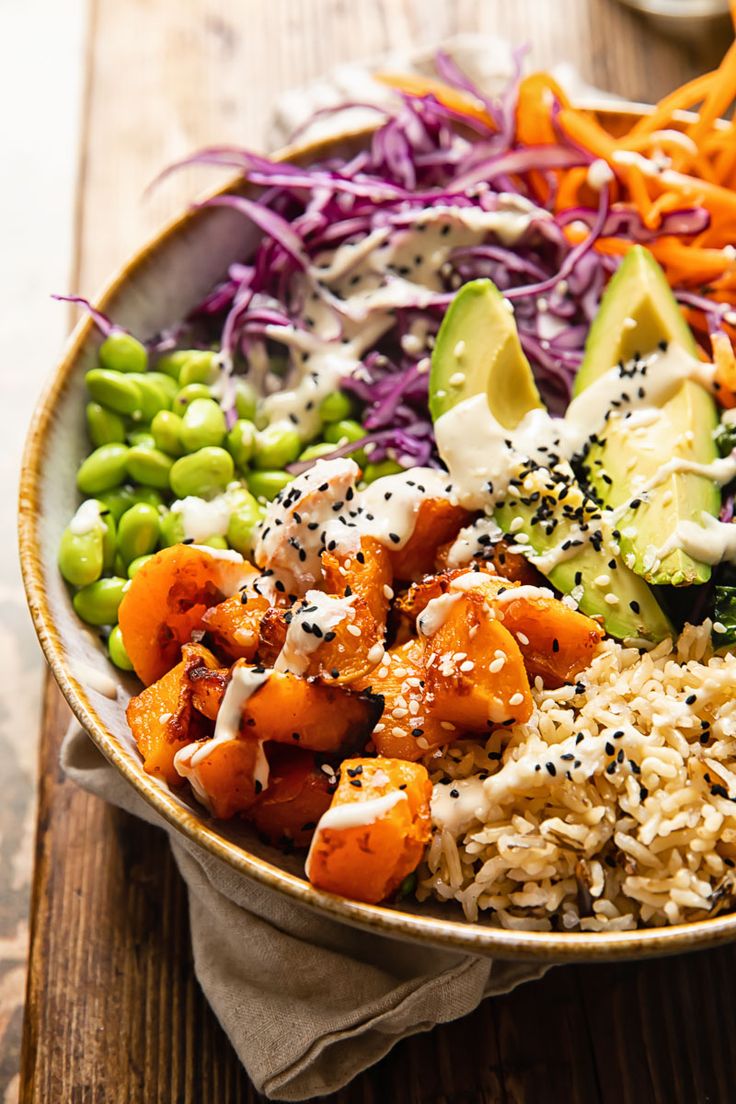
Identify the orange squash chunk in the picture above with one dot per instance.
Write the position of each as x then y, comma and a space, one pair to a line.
366, 572
297, 795
474, 672
498, 560
233, 625
345, 653
374, 832
437, 522
160, 720
166, 602
223, 778
406, 730
557, 642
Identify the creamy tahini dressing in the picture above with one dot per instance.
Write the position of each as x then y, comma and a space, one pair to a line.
315, 616
364, 282
87, 518
353, 814
458, 805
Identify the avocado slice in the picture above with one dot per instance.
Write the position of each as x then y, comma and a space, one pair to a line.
475, 322
478, 349
638, 311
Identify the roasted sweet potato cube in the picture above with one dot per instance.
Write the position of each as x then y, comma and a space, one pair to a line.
406, 730
160, 720
366, 572
557, 642
437, 522
499, 560
223, 774
167, 600
474, 670
374, 832
233, 625
297, 795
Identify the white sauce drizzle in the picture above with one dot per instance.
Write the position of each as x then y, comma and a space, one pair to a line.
457, 814
324, 611
87, 518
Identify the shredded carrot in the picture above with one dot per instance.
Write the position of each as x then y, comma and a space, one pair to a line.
461, 102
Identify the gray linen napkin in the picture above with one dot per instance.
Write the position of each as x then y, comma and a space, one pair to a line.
307, 1002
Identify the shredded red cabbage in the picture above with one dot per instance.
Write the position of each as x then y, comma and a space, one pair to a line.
423, 156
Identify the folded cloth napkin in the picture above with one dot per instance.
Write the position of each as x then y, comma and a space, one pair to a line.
307, 1002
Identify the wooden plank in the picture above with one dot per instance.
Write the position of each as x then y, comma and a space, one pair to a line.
113, 1009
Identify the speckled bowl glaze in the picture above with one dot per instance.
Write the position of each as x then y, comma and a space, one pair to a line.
157, 287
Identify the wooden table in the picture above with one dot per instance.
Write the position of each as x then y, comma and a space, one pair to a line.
113, 1010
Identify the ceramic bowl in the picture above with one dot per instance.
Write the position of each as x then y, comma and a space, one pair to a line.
152, 291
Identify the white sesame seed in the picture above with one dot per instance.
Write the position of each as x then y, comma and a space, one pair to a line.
447, 725
397, 730
516, 699
379, 727
459, 349
516, 525
468, 665
422, 743
414, 707
399, 714
354, 630
496, 666
387, 592
602, 580
457, 379
719, 627
612, 599
522, 638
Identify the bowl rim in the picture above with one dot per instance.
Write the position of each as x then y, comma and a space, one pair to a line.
448, 934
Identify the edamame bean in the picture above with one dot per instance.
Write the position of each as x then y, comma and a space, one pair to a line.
141, 437
345, 430
119, 567
149, 466
202, 424
104, 426
166, 430
172, 363
200, 366
117, 501
97, 604
80, 556
166, 383
322, 448
335, 407
154, 396
216, 542
188, 394
109, 539
121, 352
372, 472
265, 485
135, 565
116, 650
240, 442
245, 400
243, 521
146, 494
114, 390
171, 529
138, 531
276, 446
204, 473
103, 469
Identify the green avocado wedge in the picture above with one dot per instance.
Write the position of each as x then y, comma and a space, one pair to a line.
638, 312
602, 584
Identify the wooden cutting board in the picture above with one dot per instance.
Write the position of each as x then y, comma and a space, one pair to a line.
114, 1013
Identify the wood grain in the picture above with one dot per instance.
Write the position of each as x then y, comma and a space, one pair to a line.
113, 1011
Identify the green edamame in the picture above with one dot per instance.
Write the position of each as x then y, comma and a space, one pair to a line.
171, 529
116, 650
121, 352
168, 385
240, 442
104, 426
172, 363
146, 494
188, 394
141, 437
103, 469
97, 604
313, 452
265, 485
371, 472
335, 407
116, 501
138, 531
166, 431
245, 400
119, 567
149, 466
345, 430
204, 473
114, 390
109, 539
135, 565
244, 518
154, 396
216, 542
80, 556
200, 366
276, 446
202, 424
